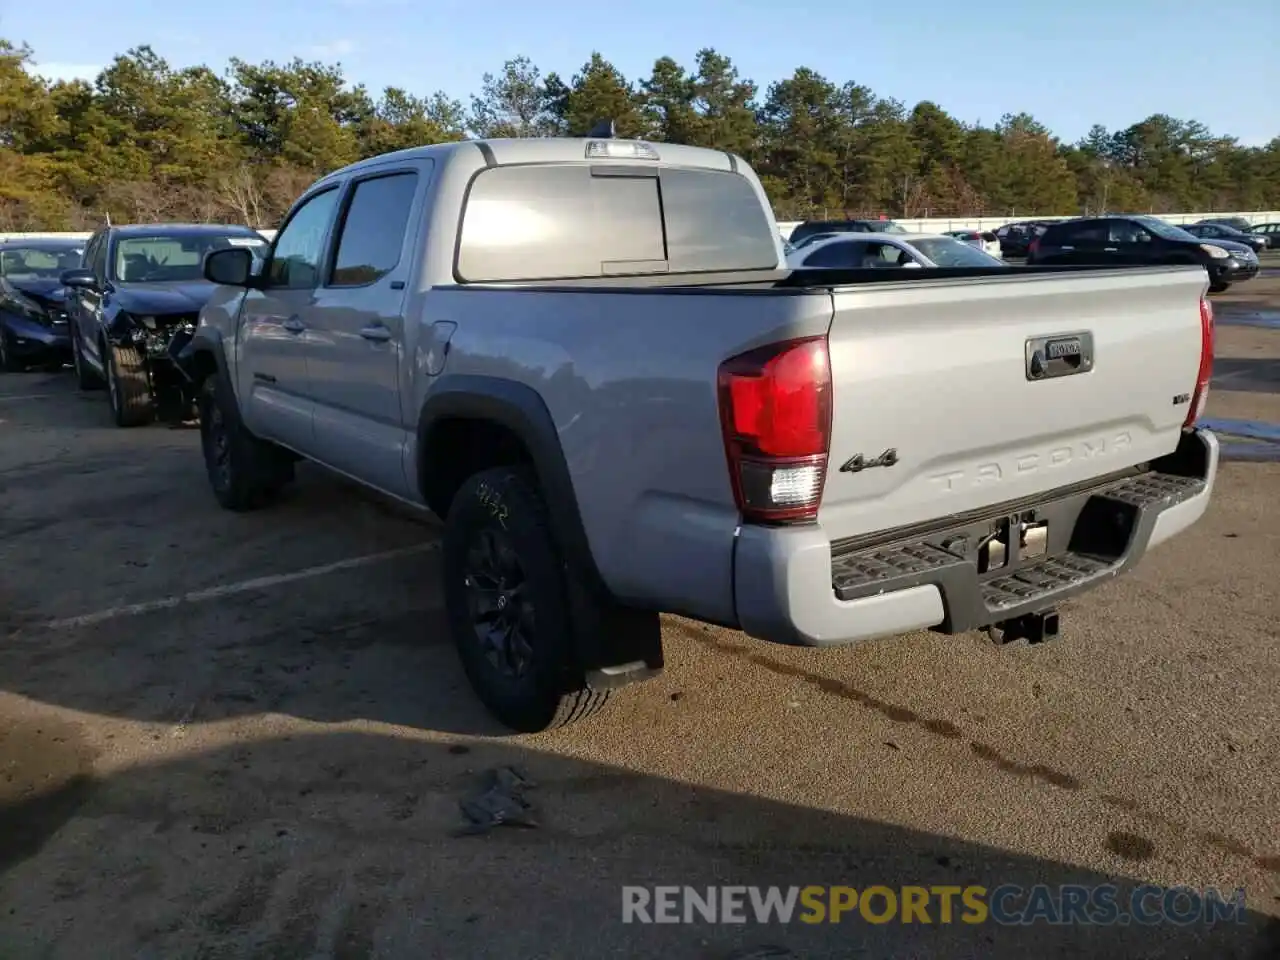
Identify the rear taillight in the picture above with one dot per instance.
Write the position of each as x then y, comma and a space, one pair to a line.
775, 413
1201, 394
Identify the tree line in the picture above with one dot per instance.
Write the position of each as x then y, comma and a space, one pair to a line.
146, 141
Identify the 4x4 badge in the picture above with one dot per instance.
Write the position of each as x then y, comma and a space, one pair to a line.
857, 463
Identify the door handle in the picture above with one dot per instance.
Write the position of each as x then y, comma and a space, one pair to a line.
376, 333
1108, 249
294, 324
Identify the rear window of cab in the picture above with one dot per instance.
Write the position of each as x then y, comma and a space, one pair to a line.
537, 222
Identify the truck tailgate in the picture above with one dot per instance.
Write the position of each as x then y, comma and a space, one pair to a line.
945, 374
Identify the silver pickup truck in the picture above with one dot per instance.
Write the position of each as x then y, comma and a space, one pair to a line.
586, 357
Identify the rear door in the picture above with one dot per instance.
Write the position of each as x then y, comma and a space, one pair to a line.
940, 372
1088, 242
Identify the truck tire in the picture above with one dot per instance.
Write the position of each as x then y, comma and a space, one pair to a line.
244, 471
506, 590
86, 379
128, 387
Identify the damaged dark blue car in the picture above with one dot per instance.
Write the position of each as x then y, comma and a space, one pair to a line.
33, 316
133, 306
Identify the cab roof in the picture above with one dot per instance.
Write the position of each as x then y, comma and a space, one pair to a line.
502, 151
182, 229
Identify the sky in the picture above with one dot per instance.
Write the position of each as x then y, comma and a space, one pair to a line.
1069, 64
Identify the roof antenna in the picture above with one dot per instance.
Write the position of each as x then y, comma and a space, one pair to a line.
603, 130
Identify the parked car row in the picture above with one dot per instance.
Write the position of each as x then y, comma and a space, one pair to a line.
119, 307
1012, 241
1141, 241
593, 361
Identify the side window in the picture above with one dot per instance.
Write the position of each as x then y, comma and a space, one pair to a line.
373, 229
1124, 231
1092, 232
90, 251
892, 256
299, 248
97, 261
837, 255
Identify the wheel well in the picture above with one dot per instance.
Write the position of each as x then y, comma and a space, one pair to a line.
458, 447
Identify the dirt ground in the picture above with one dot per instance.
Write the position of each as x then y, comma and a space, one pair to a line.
248, 736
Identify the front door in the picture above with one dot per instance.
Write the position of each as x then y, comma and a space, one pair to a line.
1130, 244
357, 330
273, 381
84, 306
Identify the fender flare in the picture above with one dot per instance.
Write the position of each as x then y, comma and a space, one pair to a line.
204, 340
518, 408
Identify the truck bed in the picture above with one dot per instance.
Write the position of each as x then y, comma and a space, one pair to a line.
932, 364
782, 282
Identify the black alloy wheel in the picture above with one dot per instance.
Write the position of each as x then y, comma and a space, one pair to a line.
500, 603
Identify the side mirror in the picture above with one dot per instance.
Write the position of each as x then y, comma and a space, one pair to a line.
79, 278
233, 267
911, 265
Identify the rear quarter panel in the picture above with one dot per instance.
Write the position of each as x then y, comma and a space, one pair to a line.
629, 379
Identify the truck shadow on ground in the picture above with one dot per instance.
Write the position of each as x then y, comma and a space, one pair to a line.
198, 664
348, 845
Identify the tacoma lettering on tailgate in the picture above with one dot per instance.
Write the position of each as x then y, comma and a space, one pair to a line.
1019, 465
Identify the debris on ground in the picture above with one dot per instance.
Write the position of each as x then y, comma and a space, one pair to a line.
500, 803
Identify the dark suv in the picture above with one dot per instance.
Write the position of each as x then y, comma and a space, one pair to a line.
1140, 241
810, 227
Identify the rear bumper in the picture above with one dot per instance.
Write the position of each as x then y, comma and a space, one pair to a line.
789, 589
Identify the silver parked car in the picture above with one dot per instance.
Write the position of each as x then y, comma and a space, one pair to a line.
880, 250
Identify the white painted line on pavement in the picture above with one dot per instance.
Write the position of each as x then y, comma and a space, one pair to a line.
244, 586
30, 396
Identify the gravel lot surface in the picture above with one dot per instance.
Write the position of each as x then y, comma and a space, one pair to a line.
248, 736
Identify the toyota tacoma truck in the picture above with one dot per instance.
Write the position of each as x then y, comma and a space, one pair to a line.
586, 357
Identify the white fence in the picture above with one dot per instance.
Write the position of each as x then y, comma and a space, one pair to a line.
943, 224
932, 225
